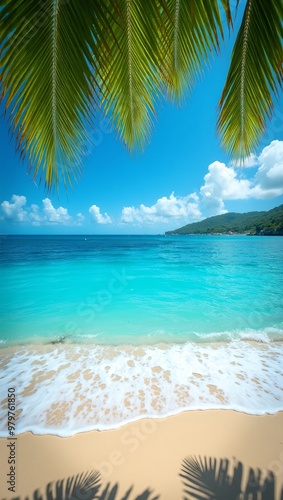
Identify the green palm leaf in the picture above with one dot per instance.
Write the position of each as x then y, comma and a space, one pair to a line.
47, 78
192, 32
254, 77
60, 58
128, 57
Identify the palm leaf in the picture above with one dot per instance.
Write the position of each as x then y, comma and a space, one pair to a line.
192, 33
254, 78
228, 13
128, 58
60, 58
47, 79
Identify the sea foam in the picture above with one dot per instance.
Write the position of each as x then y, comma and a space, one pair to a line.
65, 389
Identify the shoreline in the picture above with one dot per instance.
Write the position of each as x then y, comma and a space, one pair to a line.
267, 334
148, 454
258, 336
64, 390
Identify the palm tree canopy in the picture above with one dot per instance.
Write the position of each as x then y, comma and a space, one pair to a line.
63, 61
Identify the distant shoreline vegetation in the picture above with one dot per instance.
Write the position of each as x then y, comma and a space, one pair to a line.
269, 223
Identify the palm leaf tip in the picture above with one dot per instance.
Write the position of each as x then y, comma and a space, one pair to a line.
48, 80
227, 9
254, 79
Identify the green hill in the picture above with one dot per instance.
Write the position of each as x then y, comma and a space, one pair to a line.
261, 223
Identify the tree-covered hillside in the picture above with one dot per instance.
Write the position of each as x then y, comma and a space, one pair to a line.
262, 223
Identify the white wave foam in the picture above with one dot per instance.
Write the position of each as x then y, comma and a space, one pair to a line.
65, 389
265, 335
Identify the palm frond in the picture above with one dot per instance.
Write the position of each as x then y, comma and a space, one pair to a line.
127, 60
227, 10
193, 30
60, 58
47, 77
254, 78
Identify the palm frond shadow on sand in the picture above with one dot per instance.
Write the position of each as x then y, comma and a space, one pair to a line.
210, 479
86, 486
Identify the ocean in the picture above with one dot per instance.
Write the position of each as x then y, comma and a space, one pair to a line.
97, 331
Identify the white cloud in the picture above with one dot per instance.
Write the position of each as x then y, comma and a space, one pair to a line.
213, 206
269, 177
227, 183
97, 216
80, 217
221, 183
48, 215
55, 215
35, 215
14, 211
247, 162
163, 211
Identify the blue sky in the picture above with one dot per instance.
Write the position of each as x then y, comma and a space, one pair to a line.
182, 176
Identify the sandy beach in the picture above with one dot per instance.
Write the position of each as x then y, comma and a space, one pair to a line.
148, 455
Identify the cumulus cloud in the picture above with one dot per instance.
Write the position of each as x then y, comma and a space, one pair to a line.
269, 177
55, 215
227, 183
47, 215
14, 211
248, 162
163, 211
221, 183
97, 216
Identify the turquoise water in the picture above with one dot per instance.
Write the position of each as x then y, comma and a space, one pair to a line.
98, 331
136, 289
